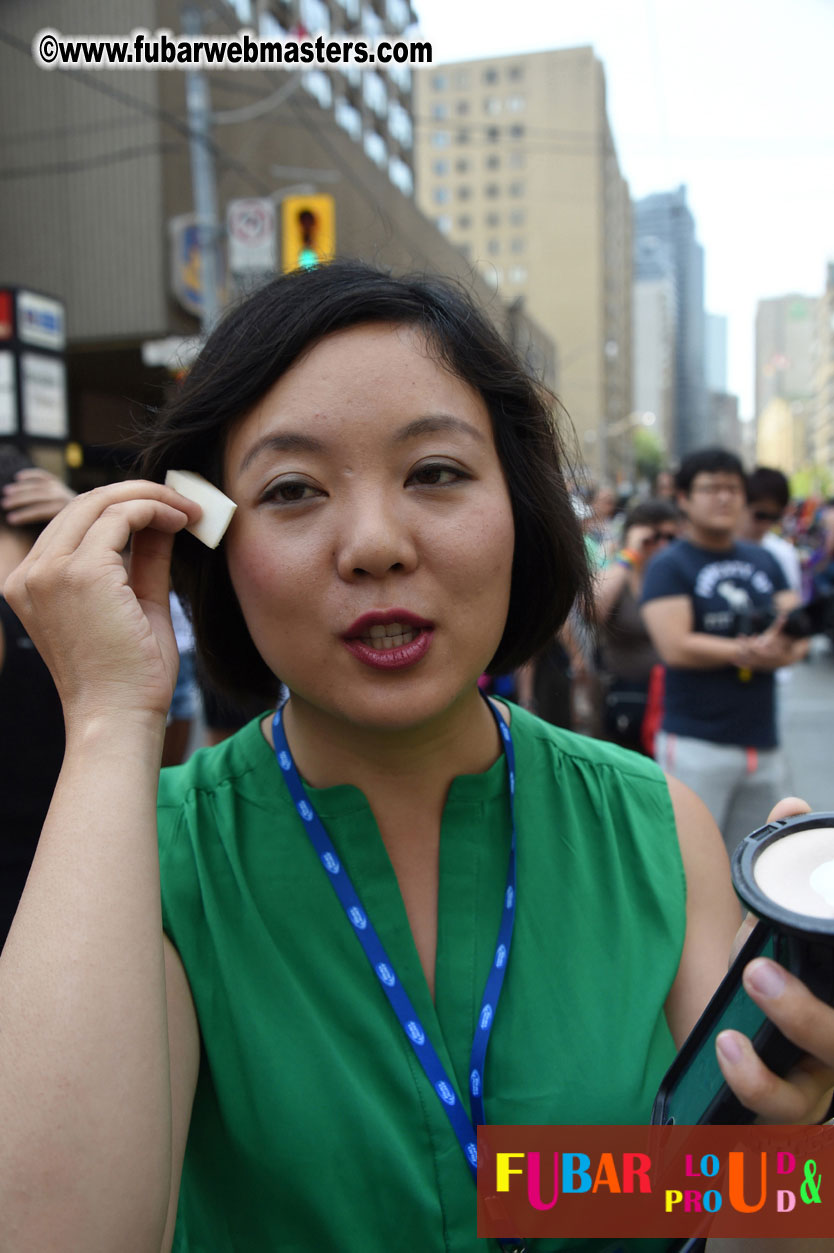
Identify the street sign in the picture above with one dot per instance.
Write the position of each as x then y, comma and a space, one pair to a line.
250, 226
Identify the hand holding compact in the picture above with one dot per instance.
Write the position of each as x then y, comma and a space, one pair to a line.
804, 1094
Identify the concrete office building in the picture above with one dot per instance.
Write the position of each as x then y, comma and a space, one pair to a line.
822, 415
98, 169
786, 328
515, 163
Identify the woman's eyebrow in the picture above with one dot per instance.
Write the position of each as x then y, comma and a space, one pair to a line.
434, 423
281, 441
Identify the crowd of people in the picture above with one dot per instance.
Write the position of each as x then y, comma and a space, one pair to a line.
299, 937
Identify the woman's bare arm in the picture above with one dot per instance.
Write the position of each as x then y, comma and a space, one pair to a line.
85, 1069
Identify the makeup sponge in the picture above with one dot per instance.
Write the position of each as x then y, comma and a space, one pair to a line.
217, 508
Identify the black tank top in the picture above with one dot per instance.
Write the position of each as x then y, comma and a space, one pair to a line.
31, 752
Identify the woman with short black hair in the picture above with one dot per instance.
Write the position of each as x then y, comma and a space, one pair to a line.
386, 906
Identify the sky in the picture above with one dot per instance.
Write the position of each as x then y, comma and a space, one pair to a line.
733, 98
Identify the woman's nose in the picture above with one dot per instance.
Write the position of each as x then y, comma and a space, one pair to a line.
375, 539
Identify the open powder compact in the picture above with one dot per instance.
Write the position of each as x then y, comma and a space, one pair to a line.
784, 874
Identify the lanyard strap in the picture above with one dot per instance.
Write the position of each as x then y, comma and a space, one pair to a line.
398, 998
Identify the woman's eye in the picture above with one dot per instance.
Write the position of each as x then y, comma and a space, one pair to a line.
290, 491
436, 474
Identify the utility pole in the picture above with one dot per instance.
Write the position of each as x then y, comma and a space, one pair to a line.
204, 188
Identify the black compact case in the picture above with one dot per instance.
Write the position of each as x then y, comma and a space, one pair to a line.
693, 1089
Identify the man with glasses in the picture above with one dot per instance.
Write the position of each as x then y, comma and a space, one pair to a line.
712, 605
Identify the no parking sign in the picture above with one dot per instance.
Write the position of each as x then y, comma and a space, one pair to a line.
250, 225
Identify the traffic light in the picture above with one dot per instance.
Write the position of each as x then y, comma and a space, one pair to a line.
308, 231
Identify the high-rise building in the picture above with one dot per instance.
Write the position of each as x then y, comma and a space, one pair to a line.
653, 333
715, 352
665, 246
786, 328
515, 163
822, 417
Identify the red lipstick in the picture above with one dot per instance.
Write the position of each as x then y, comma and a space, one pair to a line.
389, 639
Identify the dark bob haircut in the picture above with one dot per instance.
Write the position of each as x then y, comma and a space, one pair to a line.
765, 483
651, 512
707, 461
257, 342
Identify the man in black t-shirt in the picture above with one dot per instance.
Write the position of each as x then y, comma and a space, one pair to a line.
706, 604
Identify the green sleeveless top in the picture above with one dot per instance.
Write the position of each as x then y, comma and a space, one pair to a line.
314, 1127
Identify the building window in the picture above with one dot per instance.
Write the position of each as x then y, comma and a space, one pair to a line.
515, 104
399, 124
517, 217
490, 76
516, 132
515, 161
493, 219
464, 222
515, 73
318, 85
462, 80
314, 15
493, 247
400, 75
443, 224
441, 139
398, 14
493, 162
518, 274
516, 189
270, 28
374, 93
464, 192
440, 167
462, 137
401, 176
517, 244
372, 23
492, 190
441, 195
440, 110
462, 165
348, 118
492, 105
243, 9
375, 148
493, 134
439, 82
461, 107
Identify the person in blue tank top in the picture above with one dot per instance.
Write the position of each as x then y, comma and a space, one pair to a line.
247, 1007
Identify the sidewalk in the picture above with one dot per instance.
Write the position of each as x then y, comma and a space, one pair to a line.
807, 728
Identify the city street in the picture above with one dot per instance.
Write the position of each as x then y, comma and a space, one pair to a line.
807, 726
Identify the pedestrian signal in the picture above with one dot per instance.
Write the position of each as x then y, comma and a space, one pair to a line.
308, 232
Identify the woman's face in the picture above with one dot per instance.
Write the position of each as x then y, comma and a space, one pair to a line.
372, 547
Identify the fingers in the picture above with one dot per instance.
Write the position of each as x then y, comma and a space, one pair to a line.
34, 495
803, 1095
788, 807
150, 565
90, 530
72, 525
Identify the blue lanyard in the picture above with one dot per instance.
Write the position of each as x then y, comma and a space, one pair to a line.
400, 1002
